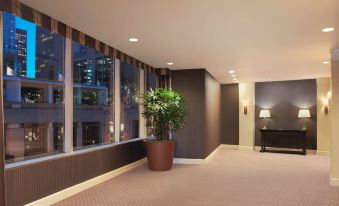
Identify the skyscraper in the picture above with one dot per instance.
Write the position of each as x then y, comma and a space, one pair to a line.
20, 57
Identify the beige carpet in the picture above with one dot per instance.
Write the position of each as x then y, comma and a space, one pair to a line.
234, 178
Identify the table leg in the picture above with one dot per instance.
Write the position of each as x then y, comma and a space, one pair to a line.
263, 146
304, 144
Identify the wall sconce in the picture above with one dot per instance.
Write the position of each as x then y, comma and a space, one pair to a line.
326, 106
326, 109
245, 103
327, 102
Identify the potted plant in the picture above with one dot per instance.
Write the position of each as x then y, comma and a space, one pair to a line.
164, 111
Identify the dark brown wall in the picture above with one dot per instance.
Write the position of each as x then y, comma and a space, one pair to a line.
201, 133
230, 114
191, 84
284, 99
32, 182
212, 114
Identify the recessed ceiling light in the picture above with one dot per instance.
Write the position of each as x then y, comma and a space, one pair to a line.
170, 63
235, 79
133, 39
234, 75
231, 71
328, 29
326, 62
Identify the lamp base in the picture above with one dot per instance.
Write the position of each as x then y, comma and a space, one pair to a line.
264, 127
303, 128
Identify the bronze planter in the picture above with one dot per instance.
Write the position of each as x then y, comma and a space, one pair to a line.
160, 154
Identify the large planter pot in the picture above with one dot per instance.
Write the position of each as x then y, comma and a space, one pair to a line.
160, 154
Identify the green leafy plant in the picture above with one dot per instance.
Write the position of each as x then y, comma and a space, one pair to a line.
164, 111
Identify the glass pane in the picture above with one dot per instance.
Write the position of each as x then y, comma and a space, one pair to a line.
93, 77
151, 80
129, 111
33, 73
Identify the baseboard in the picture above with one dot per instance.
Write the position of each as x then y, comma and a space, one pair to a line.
229, 146
334, 182
188, 161
246, 148
68, 192
311, 151
321, 152
196, 161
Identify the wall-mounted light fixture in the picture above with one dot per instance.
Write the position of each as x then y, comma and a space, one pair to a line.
326, 109
327, 102
245, 103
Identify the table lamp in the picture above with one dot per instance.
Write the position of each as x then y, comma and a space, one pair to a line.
264, 113
304, 113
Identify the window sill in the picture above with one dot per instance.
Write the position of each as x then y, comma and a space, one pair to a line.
61, 155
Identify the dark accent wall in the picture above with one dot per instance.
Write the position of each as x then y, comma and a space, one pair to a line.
284, 99
212, 114
31, 182
201, 133
230, 114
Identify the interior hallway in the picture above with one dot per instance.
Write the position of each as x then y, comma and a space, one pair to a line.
232, 178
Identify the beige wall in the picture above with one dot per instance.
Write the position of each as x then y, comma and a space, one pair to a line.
246, 122
323, 120
335, 118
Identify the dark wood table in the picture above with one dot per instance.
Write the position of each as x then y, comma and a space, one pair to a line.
286, 133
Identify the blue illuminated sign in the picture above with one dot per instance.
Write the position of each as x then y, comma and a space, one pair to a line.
30, 28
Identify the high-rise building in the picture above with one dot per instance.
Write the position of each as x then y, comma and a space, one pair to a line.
9, 43
49, 55
20, 57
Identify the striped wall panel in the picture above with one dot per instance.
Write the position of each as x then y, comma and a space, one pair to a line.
21, 10
31, 182
2, 141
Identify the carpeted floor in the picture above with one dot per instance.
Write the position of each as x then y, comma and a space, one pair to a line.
231, 178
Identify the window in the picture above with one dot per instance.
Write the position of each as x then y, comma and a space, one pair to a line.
33, 74
34, 91
151, 80
93, 78
129, 102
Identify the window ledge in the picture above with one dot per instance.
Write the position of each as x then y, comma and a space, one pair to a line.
61, 155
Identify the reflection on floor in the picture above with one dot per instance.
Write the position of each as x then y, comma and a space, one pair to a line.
232, 178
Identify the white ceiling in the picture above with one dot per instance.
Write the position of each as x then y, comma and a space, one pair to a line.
260, 39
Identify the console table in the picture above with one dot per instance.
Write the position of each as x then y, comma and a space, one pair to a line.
271, 133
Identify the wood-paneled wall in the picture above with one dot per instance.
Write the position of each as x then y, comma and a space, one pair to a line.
31, 182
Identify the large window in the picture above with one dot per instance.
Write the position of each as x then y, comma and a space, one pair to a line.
151, 80
34, 93
33, 76
129, 102
93, 78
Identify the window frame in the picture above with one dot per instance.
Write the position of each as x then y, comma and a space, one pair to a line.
69, 106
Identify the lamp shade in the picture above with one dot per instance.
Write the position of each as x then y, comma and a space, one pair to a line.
304, 113
264, 113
